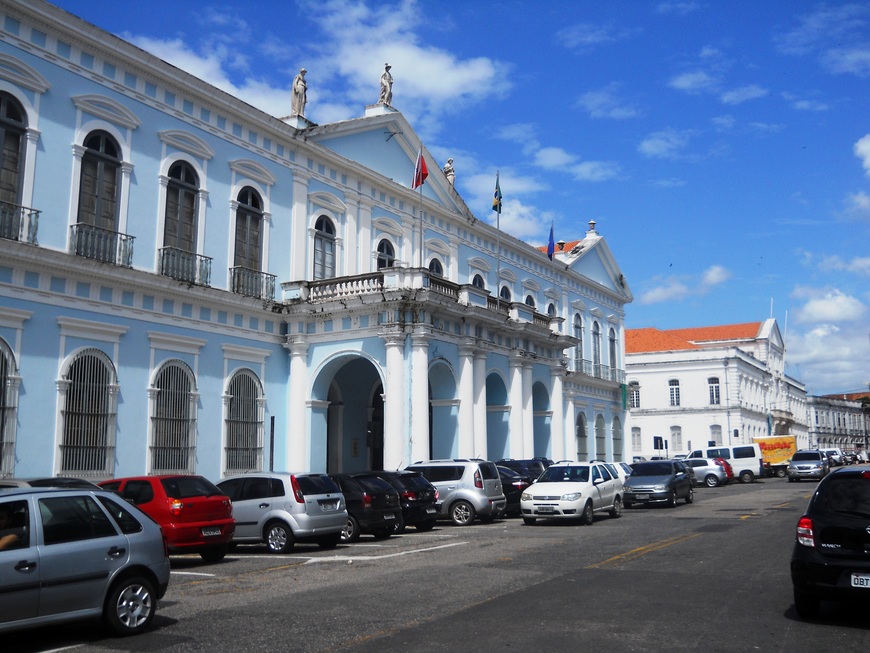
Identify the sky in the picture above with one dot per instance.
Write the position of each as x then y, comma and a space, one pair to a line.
721, 147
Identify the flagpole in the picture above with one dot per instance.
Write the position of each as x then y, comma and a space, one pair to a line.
421, 226
498, 242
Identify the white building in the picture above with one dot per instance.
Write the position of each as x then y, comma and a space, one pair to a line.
188, 284
841, 421
723, 385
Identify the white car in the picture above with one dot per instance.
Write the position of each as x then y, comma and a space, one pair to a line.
572, 491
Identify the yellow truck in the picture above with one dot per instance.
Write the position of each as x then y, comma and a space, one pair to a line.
776, 451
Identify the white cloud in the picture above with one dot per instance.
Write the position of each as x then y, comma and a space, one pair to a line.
862, 151
595, 171
857, 205
858, 265
605, 103
743, 94
677, 8
714, 275
586, 35
553, 158
723, 123
665, 144
855, 61
827, 306
693, 82
669, 291
836, 35
673, 289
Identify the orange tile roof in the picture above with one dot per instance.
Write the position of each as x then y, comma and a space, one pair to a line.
638, 341
567, 248
746, 331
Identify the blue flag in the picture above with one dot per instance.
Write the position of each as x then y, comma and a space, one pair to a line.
496, 198
551, 246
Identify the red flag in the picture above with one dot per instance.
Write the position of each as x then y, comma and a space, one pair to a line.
420, 171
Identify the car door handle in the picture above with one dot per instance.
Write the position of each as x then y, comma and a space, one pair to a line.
264, 505
25, 565
116, 552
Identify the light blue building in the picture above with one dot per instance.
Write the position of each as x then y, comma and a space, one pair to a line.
188, 284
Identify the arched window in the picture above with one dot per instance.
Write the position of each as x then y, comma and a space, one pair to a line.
551, 310
244, 424
100, 182
386, 254
505, 293
324, 248
249, 228
9, 387
435, 268
88, 416
178, 256
530, 301
13, 127
578, 349
596, 347
173, 420
478, 282
612, 351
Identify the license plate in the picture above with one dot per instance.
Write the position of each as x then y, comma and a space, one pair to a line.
328, 506
211, 531
389, 515
861, 580
431, 511
641, 497
543, 509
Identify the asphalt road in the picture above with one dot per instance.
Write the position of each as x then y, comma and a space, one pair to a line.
709, 576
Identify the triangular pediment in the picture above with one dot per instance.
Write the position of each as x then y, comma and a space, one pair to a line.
595, 261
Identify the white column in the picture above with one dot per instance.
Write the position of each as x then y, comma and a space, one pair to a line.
528, 412
395, 424
299, 217
364, 245
467, 444
351, 245
571, 427
480, 439
297, 414
557, 420
515, 392
419, 395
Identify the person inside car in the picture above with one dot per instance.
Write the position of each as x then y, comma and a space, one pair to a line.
12, 536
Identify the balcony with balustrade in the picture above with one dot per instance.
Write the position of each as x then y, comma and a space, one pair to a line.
252, 283
100, 244
185, 266
19, 223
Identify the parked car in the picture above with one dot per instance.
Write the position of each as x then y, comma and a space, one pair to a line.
573, 491
835, 455
49, 481
280, 509
707, 471
746, 459
620, 470
76, 553
467, 489
512, 484
659, 481
808, 463
372, 505
195, 515
532, 467
830, 558
729, 470
417, 497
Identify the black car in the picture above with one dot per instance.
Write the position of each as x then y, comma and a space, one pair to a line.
831, 556
512, 484
417, 497
372, 505
531, 467
658, 481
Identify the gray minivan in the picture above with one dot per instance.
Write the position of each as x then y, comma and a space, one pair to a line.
466, 489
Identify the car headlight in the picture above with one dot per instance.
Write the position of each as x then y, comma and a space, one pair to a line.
572, 496
525, 496
661, 488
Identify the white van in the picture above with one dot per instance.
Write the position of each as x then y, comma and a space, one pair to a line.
745, 459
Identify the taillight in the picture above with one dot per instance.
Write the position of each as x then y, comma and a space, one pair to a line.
805, 532
478, 482
175, 507
367, 500
409, 495
297, 491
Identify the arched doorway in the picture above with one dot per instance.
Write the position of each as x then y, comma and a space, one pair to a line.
581, 437
443, 412
497, 418
542, 420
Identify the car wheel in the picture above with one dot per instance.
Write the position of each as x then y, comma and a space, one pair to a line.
587, 516
214, 553
399, 527
746, 476
690, 497
711, 481
616, 510
780, 473
279, 538
807, 606
529, 521
425, 526
351, 531
672, 500
329, 541
462, 513
130, 606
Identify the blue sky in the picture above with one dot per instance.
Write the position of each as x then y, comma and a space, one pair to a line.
723, 148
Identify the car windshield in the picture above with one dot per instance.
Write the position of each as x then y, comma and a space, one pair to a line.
652, 469
182, 487
561, 474
316, 484
806, 455
848, 495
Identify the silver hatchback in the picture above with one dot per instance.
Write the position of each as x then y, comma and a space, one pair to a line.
280, 509
466, 489
707, 471
73, 554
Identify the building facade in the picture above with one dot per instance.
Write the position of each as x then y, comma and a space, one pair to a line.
724, 385
188, 284
841, 421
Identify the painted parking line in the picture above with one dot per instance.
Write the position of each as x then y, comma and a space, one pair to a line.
191, 573
385, 555
642, 551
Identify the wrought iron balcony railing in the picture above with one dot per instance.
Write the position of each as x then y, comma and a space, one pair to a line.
18, 223
185, 266
99, 244
252, 283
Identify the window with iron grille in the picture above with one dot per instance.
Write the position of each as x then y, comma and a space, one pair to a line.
88, 415
713, 384
8, 402
324, 249
173, 420
244, 423
100, 182
674, 389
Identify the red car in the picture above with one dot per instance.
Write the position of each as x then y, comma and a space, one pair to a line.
196, 517
728, 469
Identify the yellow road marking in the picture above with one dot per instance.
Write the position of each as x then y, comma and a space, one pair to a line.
643, 550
